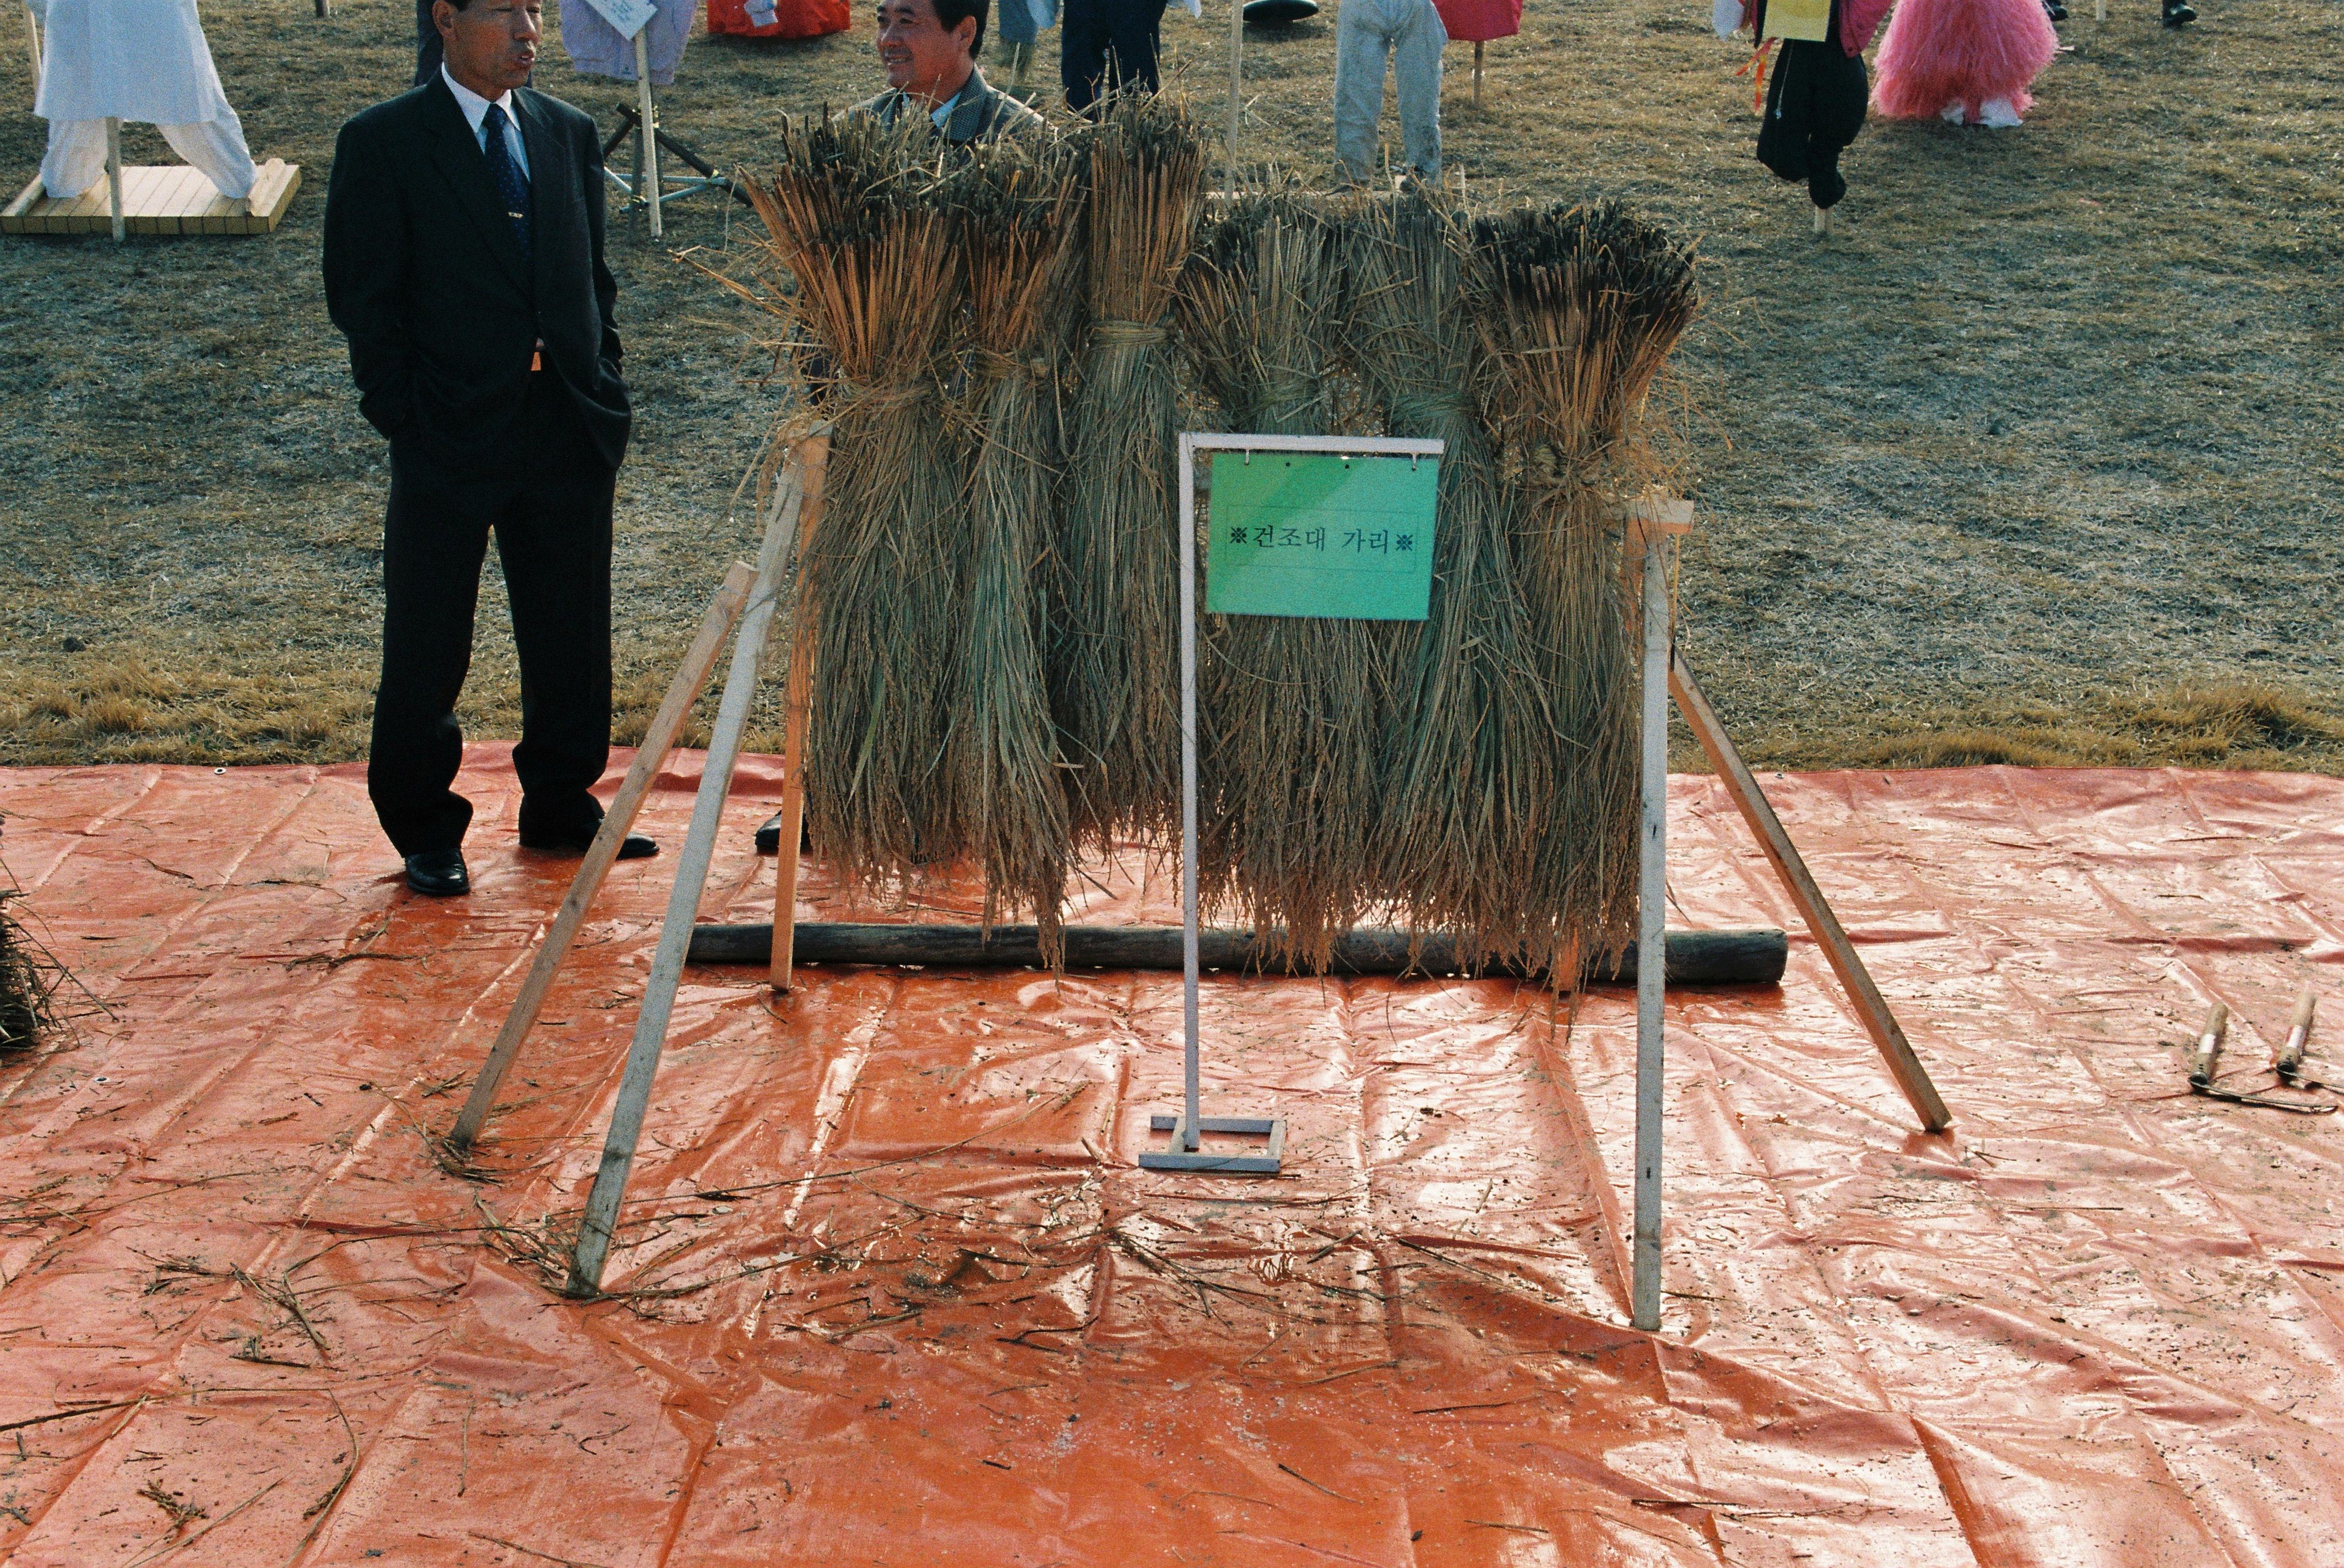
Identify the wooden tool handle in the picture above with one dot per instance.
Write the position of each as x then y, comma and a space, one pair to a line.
2298, 1034
2209, 1045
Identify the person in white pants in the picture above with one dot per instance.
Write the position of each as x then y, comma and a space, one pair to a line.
1411, 33
142, 60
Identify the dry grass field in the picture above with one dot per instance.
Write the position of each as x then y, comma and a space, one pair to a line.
2037, 459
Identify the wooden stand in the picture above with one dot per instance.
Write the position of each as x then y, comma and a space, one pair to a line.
724, 609
1477, 73
113, 174
156, 198
1870, 1005
1655, 525
746, 599
1236, 89
750, 601
797, 706
1823, 223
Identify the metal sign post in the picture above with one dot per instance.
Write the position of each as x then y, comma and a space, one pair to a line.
1187, 1151
1652, 896
650, 189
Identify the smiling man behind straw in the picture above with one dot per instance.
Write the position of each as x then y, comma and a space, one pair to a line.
929, 49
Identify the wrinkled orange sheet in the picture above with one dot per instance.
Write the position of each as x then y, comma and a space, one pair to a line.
897, 1293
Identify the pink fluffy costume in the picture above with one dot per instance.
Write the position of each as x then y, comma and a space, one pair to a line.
1967, 61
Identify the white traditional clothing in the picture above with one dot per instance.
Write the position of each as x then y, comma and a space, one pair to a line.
1411, 33
143, 60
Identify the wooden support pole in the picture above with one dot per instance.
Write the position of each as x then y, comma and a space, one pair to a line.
1823, 222
1236, 89
33, 39
1870, 1005
724, 609
1652, 900
1477, 73
600, 1221
647, 175
813, 457
113, 174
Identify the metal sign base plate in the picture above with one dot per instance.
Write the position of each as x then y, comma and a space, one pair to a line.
1177, 1158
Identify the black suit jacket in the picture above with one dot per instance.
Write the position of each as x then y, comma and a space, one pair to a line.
425, 279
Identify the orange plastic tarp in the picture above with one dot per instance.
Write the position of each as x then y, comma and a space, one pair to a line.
894, 1291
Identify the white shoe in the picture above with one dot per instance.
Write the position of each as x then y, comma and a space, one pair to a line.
1999, 113
1955, 113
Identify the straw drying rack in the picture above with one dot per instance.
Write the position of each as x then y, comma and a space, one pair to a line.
743, 608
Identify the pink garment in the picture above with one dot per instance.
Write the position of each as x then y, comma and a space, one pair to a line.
1479, 20
1858, 20
1939, 53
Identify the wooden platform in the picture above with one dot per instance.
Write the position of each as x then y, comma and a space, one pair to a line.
169, 199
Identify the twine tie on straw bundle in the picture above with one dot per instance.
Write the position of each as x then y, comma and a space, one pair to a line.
1128, 334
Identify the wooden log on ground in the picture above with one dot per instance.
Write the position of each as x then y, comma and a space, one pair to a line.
1729, 958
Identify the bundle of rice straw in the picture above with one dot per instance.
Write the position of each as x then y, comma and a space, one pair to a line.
1292, 711
853, 212
30, 980
1469, 749
1578, 308
1016, 207
1115, 582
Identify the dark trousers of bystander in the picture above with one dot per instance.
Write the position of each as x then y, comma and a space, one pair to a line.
1106, 44
1814, 107
427, 44
549, 505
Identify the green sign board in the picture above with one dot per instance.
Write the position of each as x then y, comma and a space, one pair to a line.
1321, 535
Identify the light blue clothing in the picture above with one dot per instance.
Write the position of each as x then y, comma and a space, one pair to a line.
1408, 32
1022, 21
598, 49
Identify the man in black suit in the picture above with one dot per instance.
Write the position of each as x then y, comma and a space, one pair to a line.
464, 261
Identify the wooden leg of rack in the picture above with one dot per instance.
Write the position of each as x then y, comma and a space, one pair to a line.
814, 455
1870, 1005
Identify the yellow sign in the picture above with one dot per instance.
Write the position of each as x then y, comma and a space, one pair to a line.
1806, 19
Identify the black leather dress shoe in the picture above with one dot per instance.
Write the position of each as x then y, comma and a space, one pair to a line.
439, 872
635, 846
769, 837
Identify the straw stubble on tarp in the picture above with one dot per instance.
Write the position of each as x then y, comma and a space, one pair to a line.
1114, 577
1293, 710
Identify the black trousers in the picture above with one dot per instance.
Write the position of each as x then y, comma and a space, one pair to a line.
427, 44
1105, 44
549, 506
1814, 107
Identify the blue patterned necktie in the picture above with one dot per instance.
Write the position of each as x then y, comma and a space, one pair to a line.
512, 186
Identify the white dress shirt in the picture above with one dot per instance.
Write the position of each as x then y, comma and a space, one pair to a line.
476, 112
